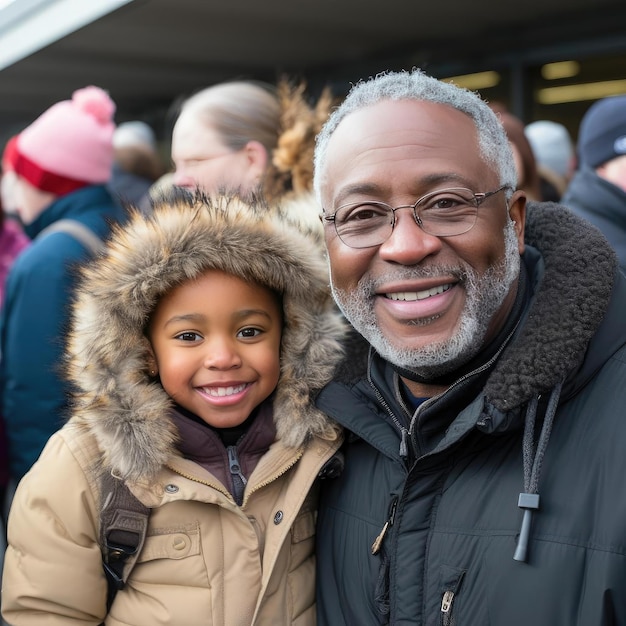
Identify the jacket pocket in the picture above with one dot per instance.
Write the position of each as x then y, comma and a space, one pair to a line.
451, 579
169, 583
163, 548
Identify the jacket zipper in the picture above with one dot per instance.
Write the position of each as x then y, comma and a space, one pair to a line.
447, 601
422, 407
239, 480
213, 485
404, 449
446, 608
378, 542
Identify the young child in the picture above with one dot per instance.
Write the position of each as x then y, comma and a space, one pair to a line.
196, 343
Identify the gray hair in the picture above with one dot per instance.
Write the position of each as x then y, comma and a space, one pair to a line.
239, 111
416, 85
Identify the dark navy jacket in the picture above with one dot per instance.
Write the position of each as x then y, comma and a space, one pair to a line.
446, 512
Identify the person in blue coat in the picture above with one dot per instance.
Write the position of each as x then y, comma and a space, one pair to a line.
62, 163
484, 464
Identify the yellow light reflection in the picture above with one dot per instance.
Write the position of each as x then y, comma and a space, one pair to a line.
479, 80
583, 91
561, 69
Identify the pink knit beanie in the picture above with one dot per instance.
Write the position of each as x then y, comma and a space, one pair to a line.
70, 145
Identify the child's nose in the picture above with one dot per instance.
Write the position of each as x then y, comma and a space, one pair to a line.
221, 354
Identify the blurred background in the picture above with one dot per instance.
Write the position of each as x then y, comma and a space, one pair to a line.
540, 59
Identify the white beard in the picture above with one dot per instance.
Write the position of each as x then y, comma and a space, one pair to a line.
484, 296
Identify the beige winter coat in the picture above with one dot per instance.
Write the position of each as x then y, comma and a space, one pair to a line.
205, 560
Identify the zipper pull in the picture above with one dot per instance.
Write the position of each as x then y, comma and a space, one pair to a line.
446, 605
404, 448
447, 618
239, 480
378, 542
233, 464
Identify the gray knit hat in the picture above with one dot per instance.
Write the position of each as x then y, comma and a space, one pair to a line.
602, 134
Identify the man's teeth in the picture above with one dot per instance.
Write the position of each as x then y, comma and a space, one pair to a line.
224, 391
418, 295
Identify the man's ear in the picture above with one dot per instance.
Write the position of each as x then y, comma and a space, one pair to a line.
517, 213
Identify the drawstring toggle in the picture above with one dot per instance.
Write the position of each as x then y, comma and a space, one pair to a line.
529, 502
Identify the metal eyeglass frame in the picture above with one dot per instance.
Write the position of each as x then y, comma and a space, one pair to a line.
479, 198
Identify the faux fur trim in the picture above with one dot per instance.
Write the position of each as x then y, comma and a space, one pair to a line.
107, 354
568, 308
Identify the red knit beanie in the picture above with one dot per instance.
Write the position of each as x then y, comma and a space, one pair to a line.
70, 145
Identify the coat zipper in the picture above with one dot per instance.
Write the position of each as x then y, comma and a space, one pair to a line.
239, 480
405, 433
404, 449
446, 608
283, 470
213, 485
378, 542
447, 601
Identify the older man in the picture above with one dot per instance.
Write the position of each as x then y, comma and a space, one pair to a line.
483, 479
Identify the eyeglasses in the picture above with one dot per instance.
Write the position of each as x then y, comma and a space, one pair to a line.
442, 213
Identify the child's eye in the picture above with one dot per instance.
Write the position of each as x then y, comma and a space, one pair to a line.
188, 336
249, 332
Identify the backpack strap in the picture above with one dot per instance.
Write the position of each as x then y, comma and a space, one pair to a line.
79, 231
123, 527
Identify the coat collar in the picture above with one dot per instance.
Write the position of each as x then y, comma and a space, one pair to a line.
68, 205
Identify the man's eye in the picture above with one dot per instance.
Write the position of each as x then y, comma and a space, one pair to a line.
447, 201
364, 212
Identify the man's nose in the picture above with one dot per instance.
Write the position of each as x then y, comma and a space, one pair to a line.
408, 244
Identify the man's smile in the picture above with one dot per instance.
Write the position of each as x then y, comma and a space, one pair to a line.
418, 295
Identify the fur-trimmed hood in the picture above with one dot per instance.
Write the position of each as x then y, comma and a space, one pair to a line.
107, 351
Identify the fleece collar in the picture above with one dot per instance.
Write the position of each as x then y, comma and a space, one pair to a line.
574, 283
